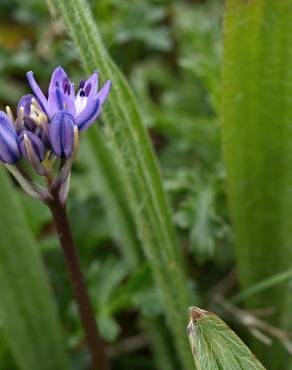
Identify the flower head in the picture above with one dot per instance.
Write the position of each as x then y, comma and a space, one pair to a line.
84, 106
47, 128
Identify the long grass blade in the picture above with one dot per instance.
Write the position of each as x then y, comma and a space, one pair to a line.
28, 317
257, 132
276, 279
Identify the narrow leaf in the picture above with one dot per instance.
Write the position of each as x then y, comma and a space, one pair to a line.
215, 346
268, 283
257, 141
27, 311
106, 173
114, 197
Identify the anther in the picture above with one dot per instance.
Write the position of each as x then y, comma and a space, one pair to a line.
65, 83
21, 113
87, 89
81, 84
35, 103
9, 113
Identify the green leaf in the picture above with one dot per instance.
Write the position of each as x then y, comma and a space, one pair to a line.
201, 234
139, 172
27, 311
114, 197
109, 328
257, 132
215, 346
263, 285
103, 177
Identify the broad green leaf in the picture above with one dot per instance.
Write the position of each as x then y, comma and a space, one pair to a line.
28, 317
139, 171
257, 141
215, 346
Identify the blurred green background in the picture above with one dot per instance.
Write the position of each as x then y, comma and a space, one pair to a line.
170, 52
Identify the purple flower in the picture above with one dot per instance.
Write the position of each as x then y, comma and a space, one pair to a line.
31, 146
31, 117
61, 134
25, 102
84, 107
9, 149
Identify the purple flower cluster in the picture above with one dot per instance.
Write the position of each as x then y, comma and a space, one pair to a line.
46, 125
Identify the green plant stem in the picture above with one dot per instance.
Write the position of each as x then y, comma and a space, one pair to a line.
95, 345
28, 315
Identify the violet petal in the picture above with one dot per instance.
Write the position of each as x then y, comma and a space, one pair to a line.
58, 100
88, 115
9, 149
37, 91
91, 82
25, 102
60, 79
104, 91
37, 144
61, 134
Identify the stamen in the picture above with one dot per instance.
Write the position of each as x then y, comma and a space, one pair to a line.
87, 89
33, 109
42, 118
82, 93
65, 83
34, 114
21, 113
35, 102
81, 84
9, 113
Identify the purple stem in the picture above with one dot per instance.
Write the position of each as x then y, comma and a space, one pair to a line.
95, 345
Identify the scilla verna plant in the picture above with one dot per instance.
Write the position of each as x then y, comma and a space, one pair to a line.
46, 134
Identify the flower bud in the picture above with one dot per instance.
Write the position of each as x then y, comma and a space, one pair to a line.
61, 134
9, 149
29, 124
42, 129
25, 102
31, 146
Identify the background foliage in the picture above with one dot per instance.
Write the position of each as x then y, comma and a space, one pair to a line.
170, 51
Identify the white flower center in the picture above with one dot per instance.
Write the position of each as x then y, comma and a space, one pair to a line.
80, 103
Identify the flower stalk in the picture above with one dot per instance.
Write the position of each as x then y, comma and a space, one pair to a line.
95, 345
46, 133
